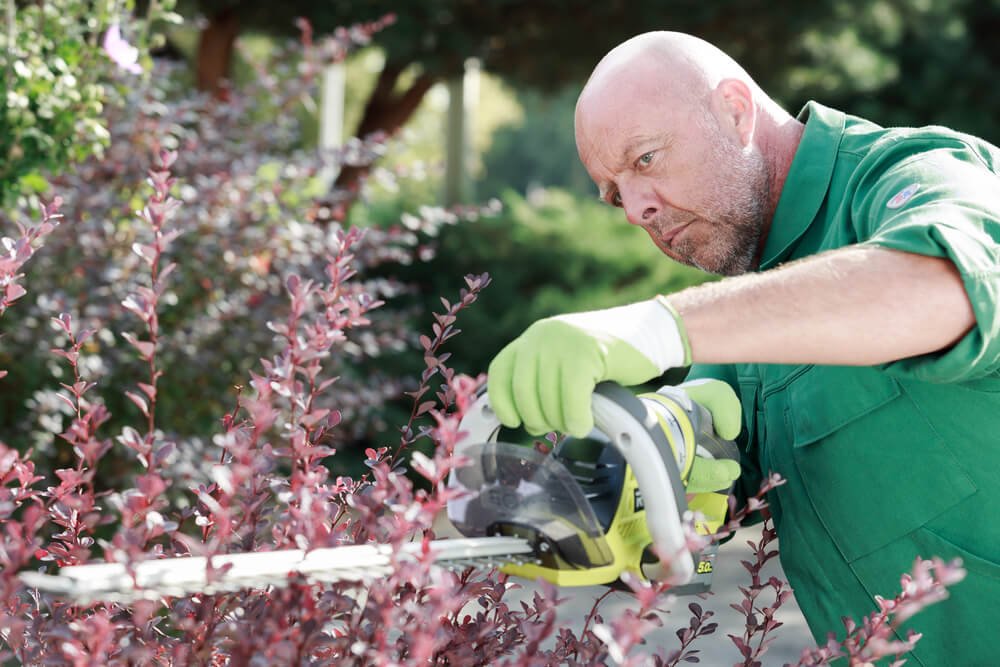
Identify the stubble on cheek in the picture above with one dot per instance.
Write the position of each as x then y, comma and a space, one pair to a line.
706, 246
730, 251
692, 243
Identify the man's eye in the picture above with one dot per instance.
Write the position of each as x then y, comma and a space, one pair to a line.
646, 158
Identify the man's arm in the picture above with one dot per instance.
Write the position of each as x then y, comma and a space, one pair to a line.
853, 306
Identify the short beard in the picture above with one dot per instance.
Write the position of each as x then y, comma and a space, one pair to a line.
741, 229
738, 208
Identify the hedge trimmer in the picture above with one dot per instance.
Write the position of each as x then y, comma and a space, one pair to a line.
584, 514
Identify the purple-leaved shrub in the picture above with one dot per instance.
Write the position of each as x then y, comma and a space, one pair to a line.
256, 208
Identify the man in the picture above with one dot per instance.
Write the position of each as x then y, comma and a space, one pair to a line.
860, 325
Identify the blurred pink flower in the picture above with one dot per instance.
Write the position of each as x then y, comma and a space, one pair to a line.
124, 54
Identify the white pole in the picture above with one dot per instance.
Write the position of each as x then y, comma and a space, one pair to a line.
463, 97
331, 114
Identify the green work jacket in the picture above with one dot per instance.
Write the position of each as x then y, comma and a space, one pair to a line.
887, 463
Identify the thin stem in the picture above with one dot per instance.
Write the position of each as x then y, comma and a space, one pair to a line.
593, 611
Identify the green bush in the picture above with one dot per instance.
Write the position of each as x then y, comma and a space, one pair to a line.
514, 160
553, 254
57, 80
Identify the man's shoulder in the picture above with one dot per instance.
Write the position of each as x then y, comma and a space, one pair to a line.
869, 144
861, 137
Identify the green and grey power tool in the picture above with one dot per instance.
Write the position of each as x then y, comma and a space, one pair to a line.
597, 507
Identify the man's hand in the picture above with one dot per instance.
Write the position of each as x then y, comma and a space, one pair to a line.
545, 378
710, 479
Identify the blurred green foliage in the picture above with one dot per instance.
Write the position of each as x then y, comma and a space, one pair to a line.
56, 82
555, 253
538, 150
542, 43
904, 62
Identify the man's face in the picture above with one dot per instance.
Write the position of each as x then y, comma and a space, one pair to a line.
700, 195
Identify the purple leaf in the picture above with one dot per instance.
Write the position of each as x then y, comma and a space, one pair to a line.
161, 455
743, 647
145, 348
64, 321
147, 252
139, 401
65, 399
14, 292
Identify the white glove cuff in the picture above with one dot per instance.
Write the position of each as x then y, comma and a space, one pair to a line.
652, 327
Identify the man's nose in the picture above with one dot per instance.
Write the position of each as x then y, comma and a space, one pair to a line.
640, 203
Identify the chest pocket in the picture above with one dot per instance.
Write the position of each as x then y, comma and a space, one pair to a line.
872, 464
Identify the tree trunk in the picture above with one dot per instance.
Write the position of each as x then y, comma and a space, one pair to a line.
385, 112
215, 52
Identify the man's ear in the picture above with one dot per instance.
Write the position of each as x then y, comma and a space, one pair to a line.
735, 108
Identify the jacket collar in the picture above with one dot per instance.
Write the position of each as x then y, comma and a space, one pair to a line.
807, 183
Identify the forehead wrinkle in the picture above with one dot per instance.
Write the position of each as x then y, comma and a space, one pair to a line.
633, 143
589, 150
624, 161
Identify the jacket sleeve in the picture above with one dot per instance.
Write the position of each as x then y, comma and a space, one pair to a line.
943, 203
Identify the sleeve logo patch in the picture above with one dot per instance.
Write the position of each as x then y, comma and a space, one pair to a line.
903, 196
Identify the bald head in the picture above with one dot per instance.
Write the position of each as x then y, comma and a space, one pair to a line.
681, 69
675, 132
683, 65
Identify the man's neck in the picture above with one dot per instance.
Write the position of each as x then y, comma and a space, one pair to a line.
785, 137
779, 143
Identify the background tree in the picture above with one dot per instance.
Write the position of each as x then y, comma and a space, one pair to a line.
898, 60
540, 43
907, 63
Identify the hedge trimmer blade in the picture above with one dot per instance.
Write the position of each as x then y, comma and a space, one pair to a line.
154, 579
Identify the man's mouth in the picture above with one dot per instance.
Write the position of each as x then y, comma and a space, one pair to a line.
669, 237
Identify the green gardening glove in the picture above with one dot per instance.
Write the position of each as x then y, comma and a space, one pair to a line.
710, 479
545, 378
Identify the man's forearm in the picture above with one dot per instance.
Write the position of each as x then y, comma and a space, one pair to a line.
853, 306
